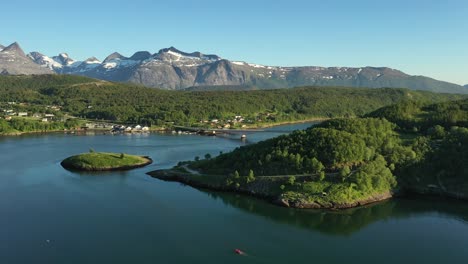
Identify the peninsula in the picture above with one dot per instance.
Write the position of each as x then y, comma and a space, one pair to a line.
410, 147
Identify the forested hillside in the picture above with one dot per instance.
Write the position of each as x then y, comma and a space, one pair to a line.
438, 134
349, 160
80, 96
410, 146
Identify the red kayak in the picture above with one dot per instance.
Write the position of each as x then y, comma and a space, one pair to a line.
239, 252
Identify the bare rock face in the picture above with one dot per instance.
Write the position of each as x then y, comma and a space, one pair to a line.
115, 56
13, 61
157, 75
171, 68
174, 69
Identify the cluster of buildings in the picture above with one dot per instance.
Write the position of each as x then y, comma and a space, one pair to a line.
237, 120
217, 123
115, 128
135, 128
8, 114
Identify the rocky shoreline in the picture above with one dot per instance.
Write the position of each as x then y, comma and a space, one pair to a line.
185, 178
302, 204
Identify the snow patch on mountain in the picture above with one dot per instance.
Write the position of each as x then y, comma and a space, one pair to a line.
44, 61
119, 63
239, 63
110, 65
92, 60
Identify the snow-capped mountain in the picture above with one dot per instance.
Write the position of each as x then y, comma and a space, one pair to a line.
63, 60
171, 68
63, 63
161, 69
44, 61
14, 61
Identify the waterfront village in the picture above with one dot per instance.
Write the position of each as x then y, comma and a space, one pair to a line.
53, 113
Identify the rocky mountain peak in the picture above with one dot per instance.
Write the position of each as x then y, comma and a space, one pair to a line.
63, 59
14, 61
174, 53
35, 55
114, 56
92, 60
44, 60
1, 47
140, 55
14, 48
173, 49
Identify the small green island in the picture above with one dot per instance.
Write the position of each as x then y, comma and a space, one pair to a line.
105, 161
410, 147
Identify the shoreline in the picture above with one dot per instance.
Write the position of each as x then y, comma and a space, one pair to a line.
267, 125
157, 130
75, 131
184, 178
19, 133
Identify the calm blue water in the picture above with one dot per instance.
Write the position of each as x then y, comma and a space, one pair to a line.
50, 215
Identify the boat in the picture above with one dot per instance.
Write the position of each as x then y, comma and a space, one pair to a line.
239, 252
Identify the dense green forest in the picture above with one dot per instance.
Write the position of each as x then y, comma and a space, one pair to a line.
438, 134
346, 159
128, 103
414, 116
413, 146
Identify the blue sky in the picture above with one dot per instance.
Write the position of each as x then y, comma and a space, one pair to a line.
419, 37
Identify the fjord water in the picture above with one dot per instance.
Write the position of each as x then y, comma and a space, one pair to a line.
50, 215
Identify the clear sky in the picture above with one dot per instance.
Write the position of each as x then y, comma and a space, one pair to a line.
420, 37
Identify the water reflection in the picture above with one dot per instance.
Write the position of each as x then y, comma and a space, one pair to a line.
346, 222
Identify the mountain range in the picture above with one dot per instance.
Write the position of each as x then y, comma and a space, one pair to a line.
171, 68
14, 61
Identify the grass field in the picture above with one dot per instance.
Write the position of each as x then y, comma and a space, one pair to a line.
104, 161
